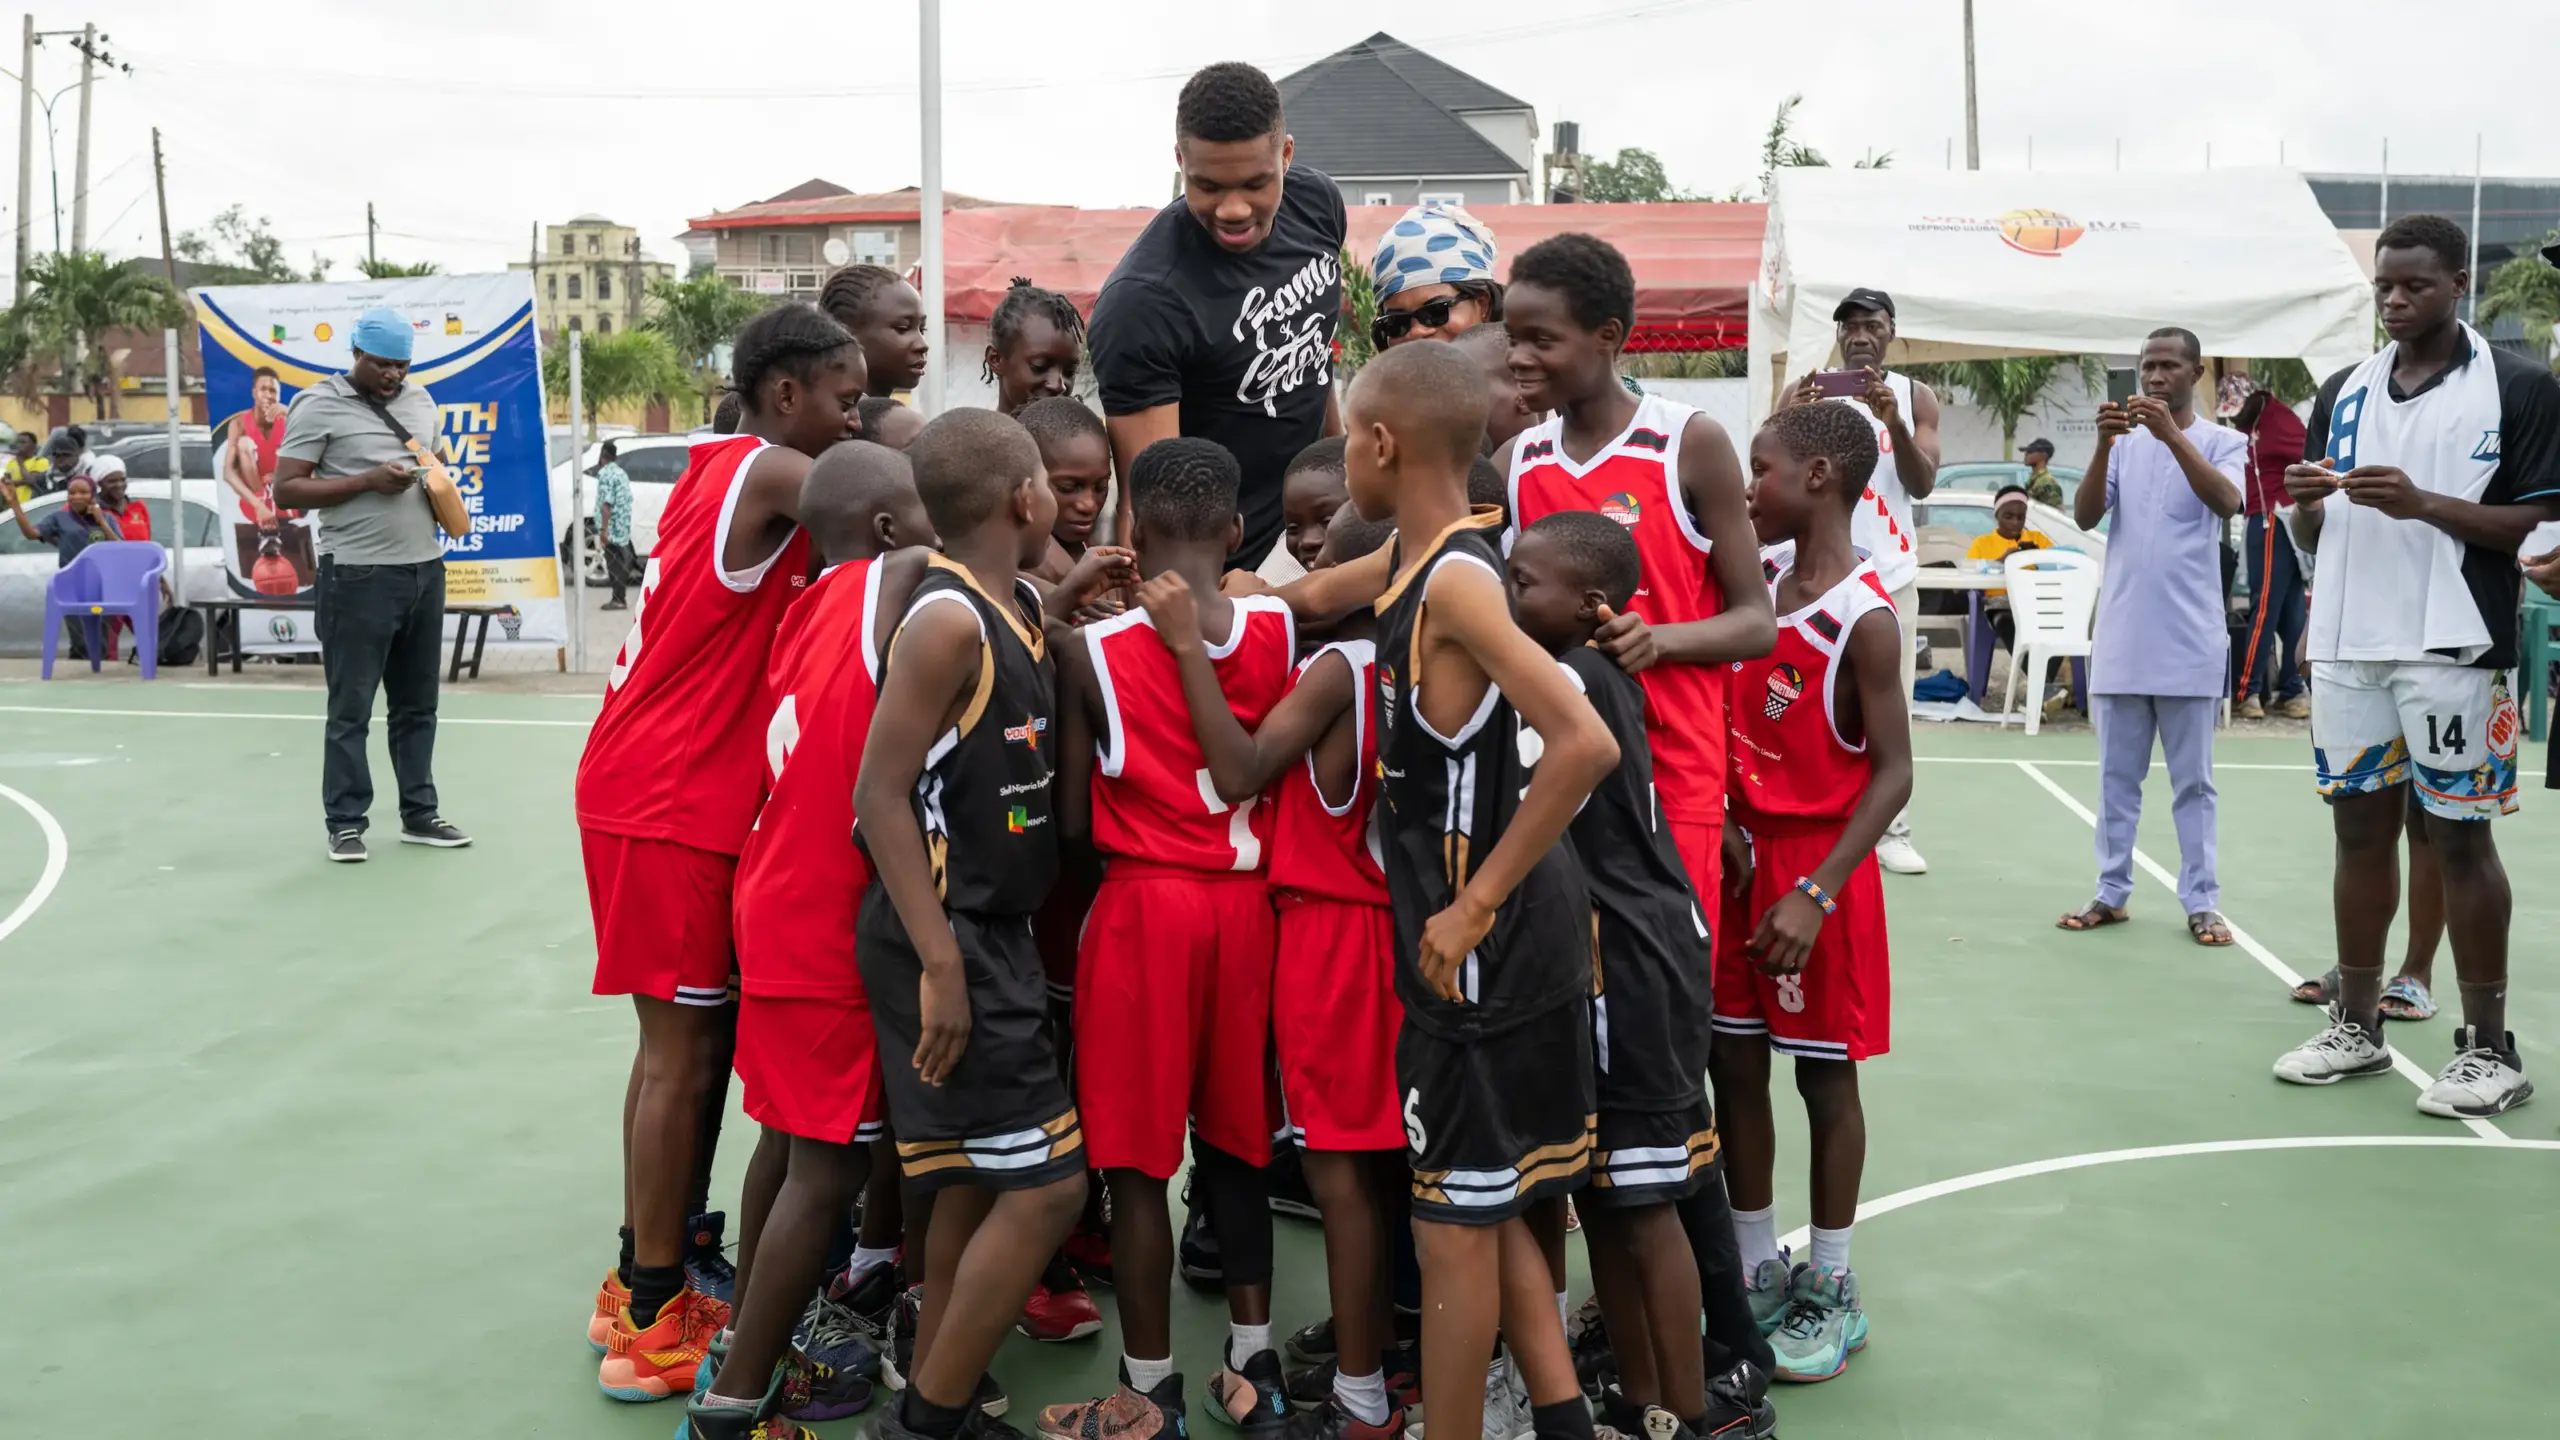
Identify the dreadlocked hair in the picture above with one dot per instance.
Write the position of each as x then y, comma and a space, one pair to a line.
790, 338
849, 291
1023, 300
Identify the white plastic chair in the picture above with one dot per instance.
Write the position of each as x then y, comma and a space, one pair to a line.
2053, 598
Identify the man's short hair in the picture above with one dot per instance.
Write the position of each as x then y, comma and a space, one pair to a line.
1057, 419
1487, 484
1325, 455
1431, 396
2427, 232
2184, 336
1226, 102
871, 410
1354, 538
1594, 279
966, 463
266, 372
1598, 552
849, 482
1841, 434
726, 416
1185, 488
608, 452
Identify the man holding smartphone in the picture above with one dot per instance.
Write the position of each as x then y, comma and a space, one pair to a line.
1905, 415
2171, 478
381, 586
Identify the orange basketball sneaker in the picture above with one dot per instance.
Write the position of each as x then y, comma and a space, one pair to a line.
611, 1296
652, 1364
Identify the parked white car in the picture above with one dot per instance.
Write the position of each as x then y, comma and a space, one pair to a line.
654, 462
25, 565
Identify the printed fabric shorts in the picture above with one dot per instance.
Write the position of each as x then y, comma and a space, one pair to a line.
2450, 730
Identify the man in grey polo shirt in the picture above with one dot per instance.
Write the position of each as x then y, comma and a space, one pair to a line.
381, 586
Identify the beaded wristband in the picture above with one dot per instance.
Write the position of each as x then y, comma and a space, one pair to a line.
1829, 905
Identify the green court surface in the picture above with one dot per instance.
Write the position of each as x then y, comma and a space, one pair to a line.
288, 1148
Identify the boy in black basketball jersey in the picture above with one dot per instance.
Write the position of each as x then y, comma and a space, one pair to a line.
1650, 1001
954, 810
1491, 917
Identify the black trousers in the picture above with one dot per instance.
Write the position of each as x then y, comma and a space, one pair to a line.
381, 628
621, 567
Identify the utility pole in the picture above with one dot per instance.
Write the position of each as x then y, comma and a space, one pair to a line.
160, 184
1972, 115
369, 257
80, 167
929, 67
2471, 301
26, 140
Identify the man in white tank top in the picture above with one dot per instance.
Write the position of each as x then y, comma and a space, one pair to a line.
1905, 414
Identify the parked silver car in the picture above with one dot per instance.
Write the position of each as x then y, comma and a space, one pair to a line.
25, 565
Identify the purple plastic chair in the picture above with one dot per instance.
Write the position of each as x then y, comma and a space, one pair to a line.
117, 577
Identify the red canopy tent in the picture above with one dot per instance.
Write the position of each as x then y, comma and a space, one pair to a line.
1694, 263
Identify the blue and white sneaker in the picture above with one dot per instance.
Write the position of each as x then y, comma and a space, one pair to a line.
705, 1268
1823, 1326
1768, 1290
830, 1333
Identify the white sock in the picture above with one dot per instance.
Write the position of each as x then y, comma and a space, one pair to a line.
1363, 1397
1145, 1375
1757, 1233
1246, 1341
866, 1256
1564, 1310
1831, 1248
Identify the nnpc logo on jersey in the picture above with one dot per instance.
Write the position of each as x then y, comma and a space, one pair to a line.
1028, 732
1786, 683
1020, 821
1624, 508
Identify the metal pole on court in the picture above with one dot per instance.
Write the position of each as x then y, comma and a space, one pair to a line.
177, 484
2382, 216
577, 503
929, 207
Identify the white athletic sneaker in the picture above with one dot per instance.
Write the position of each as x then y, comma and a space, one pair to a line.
1506, 1405
1896, 853
2342, 1052
2480, 1082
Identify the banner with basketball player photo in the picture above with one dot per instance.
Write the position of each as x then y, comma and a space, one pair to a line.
476, 352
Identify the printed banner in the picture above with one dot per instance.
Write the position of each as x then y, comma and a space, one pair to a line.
478, 356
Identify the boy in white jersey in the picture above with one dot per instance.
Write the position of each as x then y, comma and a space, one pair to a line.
1905, 415
2424, 469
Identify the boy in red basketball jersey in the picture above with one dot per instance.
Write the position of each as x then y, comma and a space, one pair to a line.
1821, 764
1670, 476
805, 1045
667, 790
1334, 1012
1173, 977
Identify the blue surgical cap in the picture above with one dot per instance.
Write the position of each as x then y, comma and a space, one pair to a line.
382, 332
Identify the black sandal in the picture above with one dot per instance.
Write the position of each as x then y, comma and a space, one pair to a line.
2323, 991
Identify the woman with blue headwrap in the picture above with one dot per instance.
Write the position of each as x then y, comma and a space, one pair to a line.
1433, 276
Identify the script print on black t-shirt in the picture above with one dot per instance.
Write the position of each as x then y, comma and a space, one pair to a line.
1242, 343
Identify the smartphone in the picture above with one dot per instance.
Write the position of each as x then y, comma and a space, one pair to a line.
1840, 384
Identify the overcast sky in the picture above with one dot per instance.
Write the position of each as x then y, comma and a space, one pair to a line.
466, 120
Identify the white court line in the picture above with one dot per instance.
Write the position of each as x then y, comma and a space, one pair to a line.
57, 858
267, 715
1998, 760
1938, 1189
2400, 1062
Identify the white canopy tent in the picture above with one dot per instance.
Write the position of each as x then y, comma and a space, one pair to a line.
1983, 263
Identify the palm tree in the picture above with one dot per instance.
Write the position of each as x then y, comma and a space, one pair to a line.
2527, 289
699, 317
1781, 150
74, 298
616, 369
2008, 386
1360, 305
394, 270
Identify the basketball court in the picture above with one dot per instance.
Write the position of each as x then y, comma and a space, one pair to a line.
291, 1148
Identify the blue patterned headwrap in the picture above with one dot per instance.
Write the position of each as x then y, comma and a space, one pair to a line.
1432, 245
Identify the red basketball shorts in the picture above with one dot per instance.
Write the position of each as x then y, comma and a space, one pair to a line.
1334, 1017
662, 918
1701, 846
810, 1067
1840, 1006
1173, 1018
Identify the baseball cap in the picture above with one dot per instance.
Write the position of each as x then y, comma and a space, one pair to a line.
2038, 443
1862, 298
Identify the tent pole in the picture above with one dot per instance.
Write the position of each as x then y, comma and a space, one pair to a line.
929, 59
1972, 114
2382, 220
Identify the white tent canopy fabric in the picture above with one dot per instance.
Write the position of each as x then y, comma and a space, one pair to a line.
1983, 263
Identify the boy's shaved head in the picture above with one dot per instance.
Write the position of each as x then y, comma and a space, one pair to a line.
966, 463
1430, 396
1837, 433
849, 488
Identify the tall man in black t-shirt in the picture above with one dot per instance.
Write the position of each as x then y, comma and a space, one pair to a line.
1218, 323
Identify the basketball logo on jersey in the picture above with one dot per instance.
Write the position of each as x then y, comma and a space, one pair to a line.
1791, 994
1624, 508
1786, 682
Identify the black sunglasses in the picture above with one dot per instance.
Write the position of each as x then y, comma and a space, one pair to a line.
1393, 325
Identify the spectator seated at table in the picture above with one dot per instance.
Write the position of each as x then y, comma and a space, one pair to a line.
2009, 515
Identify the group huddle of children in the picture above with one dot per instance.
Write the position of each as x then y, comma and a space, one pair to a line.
1037, 853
